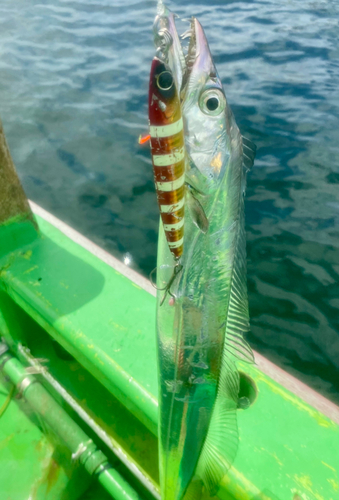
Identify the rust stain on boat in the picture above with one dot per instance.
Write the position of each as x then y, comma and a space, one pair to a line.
27, 255
52, 474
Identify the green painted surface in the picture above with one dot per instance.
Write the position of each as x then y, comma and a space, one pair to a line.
286, 448
124, 430
17, 233
68, 432
91, 310
28, 452
107, 323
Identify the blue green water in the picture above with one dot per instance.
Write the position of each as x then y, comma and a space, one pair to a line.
73, 99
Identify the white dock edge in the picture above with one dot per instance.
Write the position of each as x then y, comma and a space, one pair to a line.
291, 383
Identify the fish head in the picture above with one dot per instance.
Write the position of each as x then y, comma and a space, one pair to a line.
163, 104
207, 117
167, 42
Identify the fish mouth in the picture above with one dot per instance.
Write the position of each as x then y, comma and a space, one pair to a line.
186, 63
190, 56
198, 58
191, 49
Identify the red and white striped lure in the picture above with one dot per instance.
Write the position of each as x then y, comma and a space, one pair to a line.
168, 153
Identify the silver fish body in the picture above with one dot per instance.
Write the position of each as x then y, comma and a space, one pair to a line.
200, 333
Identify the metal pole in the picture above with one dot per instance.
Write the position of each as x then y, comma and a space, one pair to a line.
77, 441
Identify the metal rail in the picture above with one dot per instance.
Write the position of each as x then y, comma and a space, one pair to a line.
76, 440
105, 438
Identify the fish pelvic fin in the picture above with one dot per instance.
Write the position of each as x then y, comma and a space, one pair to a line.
249, 152
196, 211
194, 178
196, 185
221, 444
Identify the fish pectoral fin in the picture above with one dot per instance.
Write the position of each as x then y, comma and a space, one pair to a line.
221, 445
196, 211
194, 178
249, 152
191, 184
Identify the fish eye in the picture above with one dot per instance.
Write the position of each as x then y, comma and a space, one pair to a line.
212, 102
165, 80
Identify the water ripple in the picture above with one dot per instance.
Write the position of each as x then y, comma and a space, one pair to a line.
74, 77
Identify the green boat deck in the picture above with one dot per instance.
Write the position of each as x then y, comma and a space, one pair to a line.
95, 329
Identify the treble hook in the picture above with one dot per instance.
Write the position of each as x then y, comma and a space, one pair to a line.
163, 42
167, 289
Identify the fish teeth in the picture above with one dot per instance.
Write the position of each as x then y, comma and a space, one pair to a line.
187, 34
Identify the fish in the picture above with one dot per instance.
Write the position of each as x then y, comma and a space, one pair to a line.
200, 333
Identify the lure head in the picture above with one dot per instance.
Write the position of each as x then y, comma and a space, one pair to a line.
208, 118
164, 106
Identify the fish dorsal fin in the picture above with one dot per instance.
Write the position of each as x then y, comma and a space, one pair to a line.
237, 322
249, 151
220, 447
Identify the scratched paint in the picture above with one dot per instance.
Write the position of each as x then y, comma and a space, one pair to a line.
288, 396
30, 269
334, 484
306, 482
27, 255
329, 466
117, 326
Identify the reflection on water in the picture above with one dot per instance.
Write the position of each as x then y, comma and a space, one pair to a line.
73, 98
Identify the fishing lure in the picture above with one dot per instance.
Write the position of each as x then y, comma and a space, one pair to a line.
174, 188
168, 153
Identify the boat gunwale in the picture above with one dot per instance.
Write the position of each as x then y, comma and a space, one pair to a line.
285, 379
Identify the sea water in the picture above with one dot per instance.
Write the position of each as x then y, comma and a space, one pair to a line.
73, 99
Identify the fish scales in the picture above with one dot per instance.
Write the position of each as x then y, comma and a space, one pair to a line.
168, 153
200, 333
